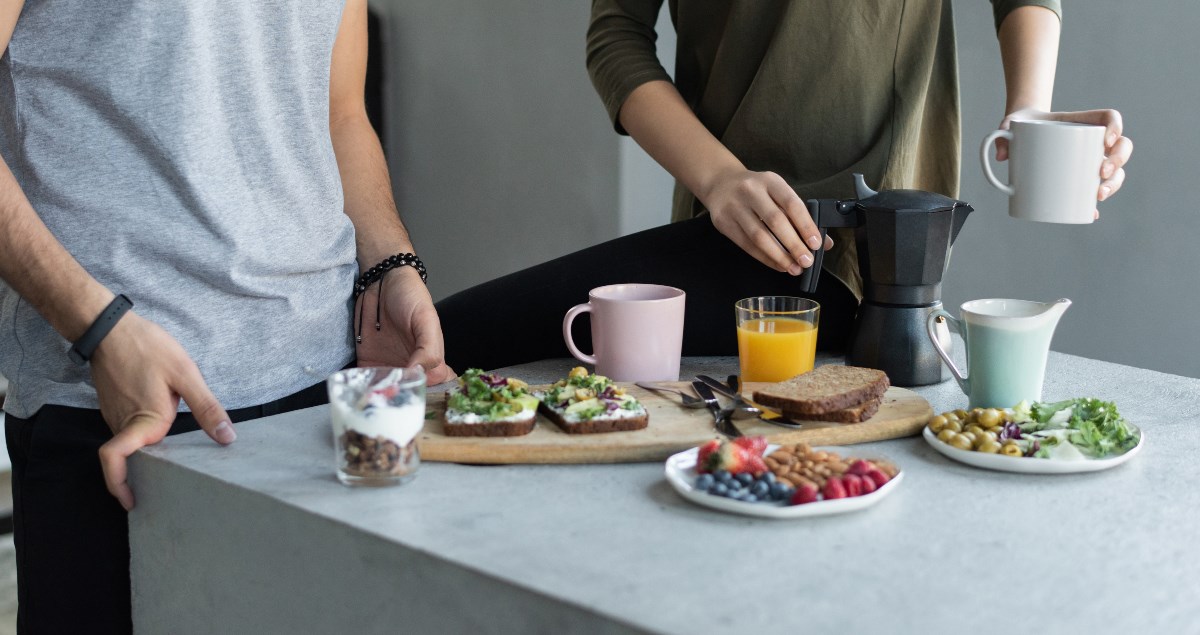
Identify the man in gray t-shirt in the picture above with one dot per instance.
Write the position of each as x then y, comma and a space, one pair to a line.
213, 162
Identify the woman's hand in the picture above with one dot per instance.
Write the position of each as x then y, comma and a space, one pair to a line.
1117, 147
410, 332
762, 214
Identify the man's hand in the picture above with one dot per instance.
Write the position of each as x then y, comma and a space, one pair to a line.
140, 373
409, 332
762, 214
1117, 147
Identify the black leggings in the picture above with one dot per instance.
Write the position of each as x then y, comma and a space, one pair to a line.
72, 536
518, 318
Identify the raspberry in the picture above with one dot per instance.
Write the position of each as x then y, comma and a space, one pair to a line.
833, 488
853, 483
805, 494
860, 467
877, 476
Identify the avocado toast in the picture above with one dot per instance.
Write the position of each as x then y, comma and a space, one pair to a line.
586, 404
488, 405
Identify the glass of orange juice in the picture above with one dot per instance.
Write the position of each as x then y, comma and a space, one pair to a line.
777, 337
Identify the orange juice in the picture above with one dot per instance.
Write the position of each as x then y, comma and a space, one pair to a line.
775, 349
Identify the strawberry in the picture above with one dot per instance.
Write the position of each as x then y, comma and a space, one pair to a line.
728, 457
805, 494
868, 485
756, 445
833, 488
705, 451
853, 483
860, 467
755, 464
877, 475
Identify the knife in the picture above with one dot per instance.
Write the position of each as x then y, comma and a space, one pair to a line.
739, 401
720, 415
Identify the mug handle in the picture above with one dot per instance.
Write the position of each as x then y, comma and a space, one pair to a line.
953, 324
586, 307
987, 165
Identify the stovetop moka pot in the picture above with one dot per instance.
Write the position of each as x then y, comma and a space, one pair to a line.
903, 239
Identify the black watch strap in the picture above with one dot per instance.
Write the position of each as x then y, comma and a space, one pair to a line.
82, 350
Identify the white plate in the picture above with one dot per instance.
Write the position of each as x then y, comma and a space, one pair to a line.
1028, 464
681, 474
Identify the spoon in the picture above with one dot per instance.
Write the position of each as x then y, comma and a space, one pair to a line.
688, 400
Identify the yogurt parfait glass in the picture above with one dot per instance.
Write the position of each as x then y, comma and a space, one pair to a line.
377, 415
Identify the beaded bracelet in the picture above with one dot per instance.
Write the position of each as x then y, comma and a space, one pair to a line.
376, 274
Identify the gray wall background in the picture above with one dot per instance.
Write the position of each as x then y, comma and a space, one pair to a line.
502, 157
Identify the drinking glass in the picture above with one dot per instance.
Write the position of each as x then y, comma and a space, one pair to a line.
377, 414
777, 337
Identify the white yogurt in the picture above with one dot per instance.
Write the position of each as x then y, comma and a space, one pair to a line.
399, 424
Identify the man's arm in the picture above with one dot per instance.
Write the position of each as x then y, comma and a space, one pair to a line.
410, 332
1029, 51
139, 370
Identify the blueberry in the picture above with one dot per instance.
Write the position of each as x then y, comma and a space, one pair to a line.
745, 478
760, 489
776, 491
749, 498
785, 492
720, 489
768, 478
705, 481
721, 475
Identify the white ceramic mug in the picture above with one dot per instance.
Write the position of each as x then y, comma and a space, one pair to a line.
1053, 170
637, 331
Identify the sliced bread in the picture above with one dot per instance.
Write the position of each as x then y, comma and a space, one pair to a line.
854, 414
824, 389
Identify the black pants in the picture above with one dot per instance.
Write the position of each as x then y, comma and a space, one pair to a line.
71, 535
518, 318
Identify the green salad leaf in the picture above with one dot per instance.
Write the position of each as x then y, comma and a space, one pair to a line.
1095, 426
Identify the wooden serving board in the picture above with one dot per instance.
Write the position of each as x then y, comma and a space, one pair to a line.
672, 429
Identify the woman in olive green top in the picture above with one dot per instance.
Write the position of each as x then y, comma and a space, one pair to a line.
772, 103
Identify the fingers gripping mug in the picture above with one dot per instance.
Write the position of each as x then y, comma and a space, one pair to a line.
637, 331
1053, 170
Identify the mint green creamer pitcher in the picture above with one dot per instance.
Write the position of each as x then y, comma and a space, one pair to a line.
1007, 343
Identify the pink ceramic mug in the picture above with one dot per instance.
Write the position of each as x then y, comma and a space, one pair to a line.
637, 331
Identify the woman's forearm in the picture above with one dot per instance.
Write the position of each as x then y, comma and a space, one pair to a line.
656, 116
1029, 52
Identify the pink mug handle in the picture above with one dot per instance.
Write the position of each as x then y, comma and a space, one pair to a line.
586, 307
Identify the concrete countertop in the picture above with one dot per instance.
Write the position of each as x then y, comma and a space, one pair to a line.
260, 537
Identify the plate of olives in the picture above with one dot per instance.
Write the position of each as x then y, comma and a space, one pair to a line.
981, 438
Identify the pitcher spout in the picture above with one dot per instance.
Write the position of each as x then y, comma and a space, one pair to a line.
1055, 310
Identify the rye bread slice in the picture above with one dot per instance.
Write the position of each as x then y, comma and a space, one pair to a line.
825, 389
596, 424
855, 414
516, 428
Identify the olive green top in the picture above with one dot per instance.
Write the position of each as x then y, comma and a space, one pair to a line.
813, 90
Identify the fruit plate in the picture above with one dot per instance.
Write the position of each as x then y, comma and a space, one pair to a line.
681, 474
1031, 465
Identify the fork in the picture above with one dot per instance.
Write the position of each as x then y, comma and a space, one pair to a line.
688, 400
769, 416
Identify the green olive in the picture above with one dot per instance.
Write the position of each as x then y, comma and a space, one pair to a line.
995, 429
1011, 449
988, 446
953, 426
974, 427
937, 423
969, 435
987, 434
961, 442
946, 434
961, 414
990, 417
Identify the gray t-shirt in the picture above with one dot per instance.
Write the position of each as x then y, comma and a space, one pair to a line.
180, 151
